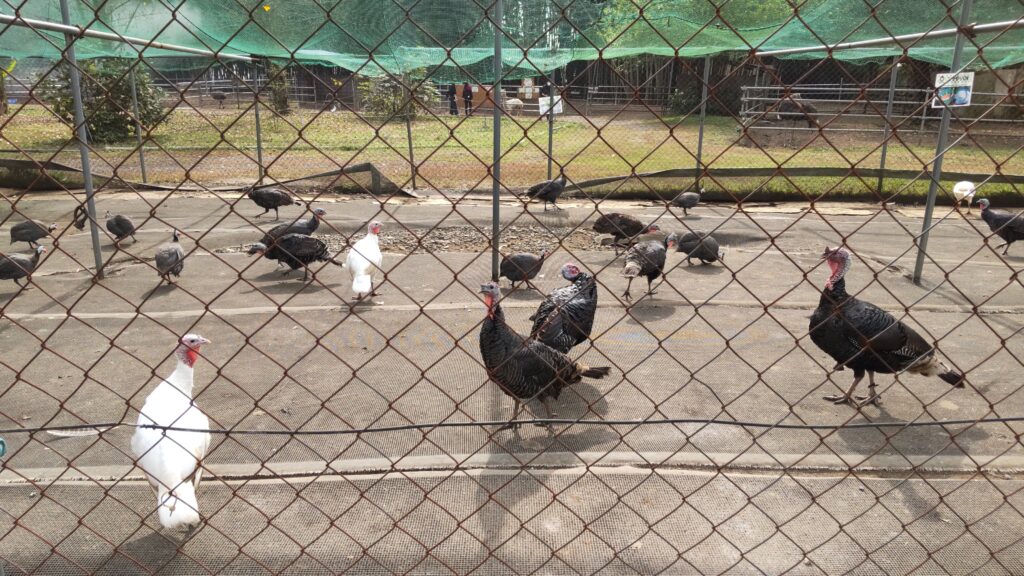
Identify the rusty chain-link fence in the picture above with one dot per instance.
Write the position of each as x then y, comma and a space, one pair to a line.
187, 388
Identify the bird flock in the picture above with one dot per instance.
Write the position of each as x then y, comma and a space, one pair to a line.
171, 439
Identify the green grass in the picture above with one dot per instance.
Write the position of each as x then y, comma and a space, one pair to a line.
453, 153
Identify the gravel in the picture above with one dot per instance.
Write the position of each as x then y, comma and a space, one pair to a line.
468, 239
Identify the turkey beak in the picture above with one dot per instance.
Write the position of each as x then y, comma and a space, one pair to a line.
203, 341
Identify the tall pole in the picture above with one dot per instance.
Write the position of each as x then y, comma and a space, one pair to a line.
81, 135
703, 115
259, 132
551, 126
496, 145
940, 148
138, 124
408, 135
888, 121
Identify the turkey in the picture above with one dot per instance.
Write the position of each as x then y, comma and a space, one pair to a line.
301, 226
646, 259
525, 369
548, 191
363, 260
30, 231
795, 107
297, 251
120, 227
172, 459
79, 217
170, 259
964, 191
271, 199
1009, 227
699, 245
687, 200
522, 267
861, 336
622, 227
18, 266
566, 317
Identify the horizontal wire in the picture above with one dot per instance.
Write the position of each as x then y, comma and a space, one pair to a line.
536, 421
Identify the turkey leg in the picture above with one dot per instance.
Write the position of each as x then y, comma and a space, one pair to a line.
650, 291
872, 397
515, 414
626, 294
848, 397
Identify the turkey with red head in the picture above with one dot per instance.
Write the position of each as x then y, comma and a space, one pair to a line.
862, 336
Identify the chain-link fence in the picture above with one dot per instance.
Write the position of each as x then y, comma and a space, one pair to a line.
524, 286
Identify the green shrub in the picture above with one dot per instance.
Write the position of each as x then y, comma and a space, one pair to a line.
278, 88
684, 101
106, 97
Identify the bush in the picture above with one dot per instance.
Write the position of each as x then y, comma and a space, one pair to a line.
389, 96
106, 97
684, 101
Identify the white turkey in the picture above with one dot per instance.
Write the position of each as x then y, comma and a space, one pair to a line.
363, 260
172, 459
964, 191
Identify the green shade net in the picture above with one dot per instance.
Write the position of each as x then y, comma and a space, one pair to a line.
453, 39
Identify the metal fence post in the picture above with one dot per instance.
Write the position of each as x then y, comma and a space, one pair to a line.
551, 127
81, 135
703, 115
888, 120
138, 124
940, 147
259, 132
496, 145
408, 135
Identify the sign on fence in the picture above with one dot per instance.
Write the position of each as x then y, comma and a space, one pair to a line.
544, 103
953, 89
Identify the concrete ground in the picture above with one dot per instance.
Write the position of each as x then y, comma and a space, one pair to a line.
724, 342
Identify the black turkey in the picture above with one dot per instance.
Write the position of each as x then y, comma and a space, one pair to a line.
31, 231
1009, 227
120, 227
296, 251
304, 226
271, 199
18, 266
170, 259
622, 227
525, 369
795, 107
219, 98
521, 267
862, 336
646, 259
548, 191
80, 217
566, 317
687, 200
699, 245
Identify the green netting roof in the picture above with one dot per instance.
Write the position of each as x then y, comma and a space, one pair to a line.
371, 36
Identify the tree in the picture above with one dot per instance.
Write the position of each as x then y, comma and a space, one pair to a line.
389, 96
278, 84
4, 73
106, 98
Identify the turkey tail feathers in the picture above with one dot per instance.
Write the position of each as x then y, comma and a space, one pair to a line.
954, 379
632, 269
598, 372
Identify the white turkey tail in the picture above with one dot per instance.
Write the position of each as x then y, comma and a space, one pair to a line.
179, 508
632, 269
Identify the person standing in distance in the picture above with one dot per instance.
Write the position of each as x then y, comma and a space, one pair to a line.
467, 98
